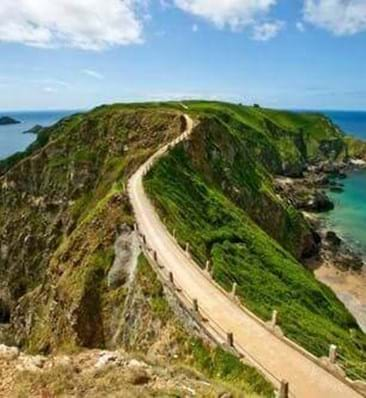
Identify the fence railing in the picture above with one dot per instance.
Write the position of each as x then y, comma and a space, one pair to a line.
354, 369
336, 360
215, 330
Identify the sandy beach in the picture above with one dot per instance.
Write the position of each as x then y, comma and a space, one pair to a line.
349, 287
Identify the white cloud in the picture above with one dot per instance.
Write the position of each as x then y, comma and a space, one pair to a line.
341, 17
85, 24
267, 30
93, 73
236, 14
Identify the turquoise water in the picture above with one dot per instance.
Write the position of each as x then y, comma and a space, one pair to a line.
348, 218
12, 138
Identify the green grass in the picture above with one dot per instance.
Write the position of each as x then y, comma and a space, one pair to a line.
280, 128
244, 147
215, 363
268, 277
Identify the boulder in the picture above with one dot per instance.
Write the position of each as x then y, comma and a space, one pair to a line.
107, 358
333, 239
321, 180
8, 353
319, 202
336, 189
348, 261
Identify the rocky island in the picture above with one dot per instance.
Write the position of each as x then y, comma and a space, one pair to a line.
6, 120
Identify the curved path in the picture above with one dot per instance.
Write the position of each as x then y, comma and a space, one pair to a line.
272, 355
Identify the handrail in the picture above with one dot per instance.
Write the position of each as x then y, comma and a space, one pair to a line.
289, 342
181, 294
145, 169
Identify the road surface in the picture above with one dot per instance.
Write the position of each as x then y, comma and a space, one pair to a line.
279, 360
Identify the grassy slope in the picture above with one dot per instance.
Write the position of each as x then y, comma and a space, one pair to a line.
357, 148
213, 362
78, 173
72, 306
268, 277
91, 146
278, 129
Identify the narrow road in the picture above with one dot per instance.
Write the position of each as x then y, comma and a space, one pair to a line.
278, 359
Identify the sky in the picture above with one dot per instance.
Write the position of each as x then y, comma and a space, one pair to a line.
77, 54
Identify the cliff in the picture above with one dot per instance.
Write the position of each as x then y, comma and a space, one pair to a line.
70, 272
71, 276
217, 192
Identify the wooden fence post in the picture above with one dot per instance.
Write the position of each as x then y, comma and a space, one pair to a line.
332, 353
171, 277
230, 339
284, 389
274, 319
195, 305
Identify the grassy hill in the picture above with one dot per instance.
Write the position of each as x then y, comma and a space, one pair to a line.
216, 191
64, 206
65, 224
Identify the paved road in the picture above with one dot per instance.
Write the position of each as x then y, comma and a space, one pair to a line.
306, 379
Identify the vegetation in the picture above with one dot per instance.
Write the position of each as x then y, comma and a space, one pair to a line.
63, 200
356, 148
213, 362
66, 197
219, 230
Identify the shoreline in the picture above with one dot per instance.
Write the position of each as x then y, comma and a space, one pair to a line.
349, 285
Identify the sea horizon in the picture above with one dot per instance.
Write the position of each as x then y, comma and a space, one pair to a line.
12, 137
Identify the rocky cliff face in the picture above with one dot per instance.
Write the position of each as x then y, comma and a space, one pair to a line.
65, 217
69, 273
61, 211
218, 192
244, 174
156, 353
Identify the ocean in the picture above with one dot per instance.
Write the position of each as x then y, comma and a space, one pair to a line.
352, 123
348, 218
12, 138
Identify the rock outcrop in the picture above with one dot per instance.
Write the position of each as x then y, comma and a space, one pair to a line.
61, 211
6, 120
68, 253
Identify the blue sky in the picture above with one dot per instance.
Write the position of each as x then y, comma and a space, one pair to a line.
280, 53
